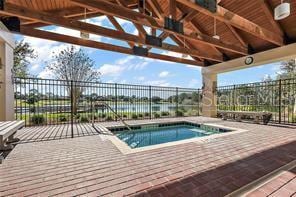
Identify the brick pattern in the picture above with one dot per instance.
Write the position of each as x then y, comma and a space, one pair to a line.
93, 166
282, 185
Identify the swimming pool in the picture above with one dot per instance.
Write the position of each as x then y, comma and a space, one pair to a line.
147, 135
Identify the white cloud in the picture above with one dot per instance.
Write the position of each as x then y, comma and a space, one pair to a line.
46, 74
164, 74
35, 67
194, 67
158, 83
121, 65
111, 70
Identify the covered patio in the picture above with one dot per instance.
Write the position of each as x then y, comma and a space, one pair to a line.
65, 156
259, 162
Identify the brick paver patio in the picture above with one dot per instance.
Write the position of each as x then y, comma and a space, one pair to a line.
93, 166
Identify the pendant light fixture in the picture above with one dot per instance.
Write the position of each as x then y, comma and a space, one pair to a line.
84, 35
184, 55
282, 11
215, 31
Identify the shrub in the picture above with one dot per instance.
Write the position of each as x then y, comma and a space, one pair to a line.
140, 115
84, 119
102, 115
32, 109
156, 115
146, 114
165, 113
38, 119
77, 116
134, 116
179, 113
62, 118
109, 118
293, 119
124, 116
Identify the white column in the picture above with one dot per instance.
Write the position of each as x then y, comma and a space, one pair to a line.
209, 99
6, 64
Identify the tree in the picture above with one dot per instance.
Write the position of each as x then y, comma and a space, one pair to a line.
74, 67
288, 69
33, 96
23, 53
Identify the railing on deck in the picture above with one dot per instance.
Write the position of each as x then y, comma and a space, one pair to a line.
277, 97
49, 101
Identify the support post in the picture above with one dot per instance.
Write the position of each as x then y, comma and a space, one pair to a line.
209, 97
6, 80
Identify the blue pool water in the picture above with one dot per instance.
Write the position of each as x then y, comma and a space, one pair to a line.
146, 137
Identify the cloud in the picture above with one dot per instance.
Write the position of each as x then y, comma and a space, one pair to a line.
46, 74
164, 74
121, 65
158, 83
111, 70
34, 67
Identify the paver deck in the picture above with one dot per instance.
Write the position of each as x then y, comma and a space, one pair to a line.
92, 166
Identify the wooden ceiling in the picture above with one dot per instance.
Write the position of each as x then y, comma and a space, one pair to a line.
245, 27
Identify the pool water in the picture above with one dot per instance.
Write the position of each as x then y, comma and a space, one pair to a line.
152, 136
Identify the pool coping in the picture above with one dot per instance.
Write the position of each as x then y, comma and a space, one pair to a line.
125, 149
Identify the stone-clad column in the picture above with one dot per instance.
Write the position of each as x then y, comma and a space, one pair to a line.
6, 64
209, 98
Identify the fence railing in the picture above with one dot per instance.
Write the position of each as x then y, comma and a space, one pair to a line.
49, 101
277, 97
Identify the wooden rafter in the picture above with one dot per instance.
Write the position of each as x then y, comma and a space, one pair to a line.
118, 27
173, 10
237, 35
239, 22
188, 20
98, 45
140, 28
157, 9
267, 10
97, 30
128, 14
181, 42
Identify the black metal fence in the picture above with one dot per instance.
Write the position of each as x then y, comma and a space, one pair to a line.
48, 101
277, 97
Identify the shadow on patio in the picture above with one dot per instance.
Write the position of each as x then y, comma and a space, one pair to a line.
55, 132
225, 179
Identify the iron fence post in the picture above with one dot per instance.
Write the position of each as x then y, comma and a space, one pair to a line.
150, 103
72, 110
116, 101
177, 101
280, 101
233, 97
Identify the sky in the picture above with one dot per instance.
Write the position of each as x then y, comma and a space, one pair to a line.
121, 68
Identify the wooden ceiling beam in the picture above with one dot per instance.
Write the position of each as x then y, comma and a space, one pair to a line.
237, 35
157, 9
195, 26
239, 22
180, 42
141, 30
118, 27
13, 10
128, 14
268, 12
99, 45
173, 9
